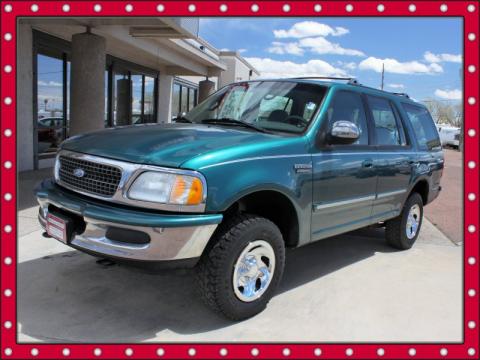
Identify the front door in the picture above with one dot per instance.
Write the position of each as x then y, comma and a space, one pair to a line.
344, 179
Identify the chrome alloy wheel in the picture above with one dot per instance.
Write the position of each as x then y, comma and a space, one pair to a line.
413, 221
253, 270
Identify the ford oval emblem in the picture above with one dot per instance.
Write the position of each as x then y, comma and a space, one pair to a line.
79, 173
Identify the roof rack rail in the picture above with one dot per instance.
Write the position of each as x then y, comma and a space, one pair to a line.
401, 94
350, 80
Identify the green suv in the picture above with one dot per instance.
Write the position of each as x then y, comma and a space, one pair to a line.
257, 167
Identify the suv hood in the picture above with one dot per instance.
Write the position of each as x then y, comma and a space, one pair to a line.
162, 144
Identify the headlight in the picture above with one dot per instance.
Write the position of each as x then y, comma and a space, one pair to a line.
167, 188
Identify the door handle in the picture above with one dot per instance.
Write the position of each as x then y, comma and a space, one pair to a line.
367, 163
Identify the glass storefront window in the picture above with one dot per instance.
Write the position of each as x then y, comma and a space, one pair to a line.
137, 98
184, 98
149, 100
176, 100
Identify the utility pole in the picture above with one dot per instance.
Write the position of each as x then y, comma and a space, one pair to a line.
383, 74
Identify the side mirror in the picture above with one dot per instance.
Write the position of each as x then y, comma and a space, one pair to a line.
343, 132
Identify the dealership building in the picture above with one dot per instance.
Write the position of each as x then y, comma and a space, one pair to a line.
83, 74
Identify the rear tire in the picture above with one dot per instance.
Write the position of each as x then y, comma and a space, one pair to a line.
242, 266
402, 231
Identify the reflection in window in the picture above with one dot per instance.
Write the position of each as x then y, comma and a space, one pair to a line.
149, 100
184, 98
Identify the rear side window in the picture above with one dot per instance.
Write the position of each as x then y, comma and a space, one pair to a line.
386, 126
349, 106
423, 126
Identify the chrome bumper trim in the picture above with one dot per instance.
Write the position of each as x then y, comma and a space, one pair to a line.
165, 244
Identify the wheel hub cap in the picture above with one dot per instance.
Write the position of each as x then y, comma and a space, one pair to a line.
253, 271
413, 221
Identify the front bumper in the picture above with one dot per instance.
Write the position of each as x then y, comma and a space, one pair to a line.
171, 237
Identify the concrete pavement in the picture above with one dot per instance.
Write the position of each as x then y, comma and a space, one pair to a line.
349, 288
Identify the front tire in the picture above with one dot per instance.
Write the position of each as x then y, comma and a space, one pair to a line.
242, 267
402, 231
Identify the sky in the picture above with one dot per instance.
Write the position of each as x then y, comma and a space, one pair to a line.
422, 56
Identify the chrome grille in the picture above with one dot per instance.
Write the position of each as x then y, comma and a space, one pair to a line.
98, 179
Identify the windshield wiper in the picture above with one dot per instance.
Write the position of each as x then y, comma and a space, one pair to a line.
229, 121
183, 119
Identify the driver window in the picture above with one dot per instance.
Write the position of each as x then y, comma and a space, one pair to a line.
349, 106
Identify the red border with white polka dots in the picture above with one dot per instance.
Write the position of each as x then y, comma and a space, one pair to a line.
10, 10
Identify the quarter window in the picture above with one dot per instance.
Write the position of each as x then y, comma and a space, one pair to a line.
386, 127
349, 106
423, 127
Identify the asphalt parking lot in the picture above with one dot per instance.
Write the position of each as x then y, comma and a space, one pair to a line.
348, 288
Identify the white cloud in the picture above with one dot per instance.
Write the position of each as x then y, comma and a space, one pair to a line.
437, 58
285, 48
349, 65
320, 45
449, 94
282, 69
396, 67
396, 86
309, 28
242, 50
49, 83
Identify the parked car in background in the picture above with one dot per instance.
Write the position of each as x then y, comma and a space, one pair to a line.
257, 167
449, 135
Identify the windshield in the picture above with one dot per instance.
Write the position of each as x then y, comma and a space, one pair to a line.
270, 105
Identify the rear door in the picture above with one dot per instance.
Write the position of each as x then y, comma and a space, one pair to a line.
344, 180
395, 158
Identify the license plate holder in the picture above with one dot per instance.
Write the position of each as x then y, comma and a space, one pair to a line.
59, 227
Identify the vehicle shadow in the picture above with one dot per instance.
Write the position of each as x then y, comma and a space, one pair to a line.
67, 297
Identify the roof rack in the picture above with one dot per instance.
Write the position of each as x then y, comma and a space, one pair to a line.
401, 94
350, 80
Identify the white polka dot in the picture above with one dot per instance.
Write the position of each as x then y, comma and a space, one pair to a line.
8, 100
255, 8
471, 229
380, 8
471, 36
471, 292
8, 8
317, 8
34, 352
66, 8
34, 7
286, 8
223, 8
412, 8
471, 68
223, 352
8, 164
192, 352
160, 8
471, 197
66, 352
7, 69
317, 352
7, 228
349, 352
412, 352
97, 8
7, 196
471, 8
128, 352
129, 8
471, 164
7, 132
471, 351
97, 352
380, 352
160, 352
7, 36
8, 351
443, 7
471, 260
471, 324
8, 292
8, 324
349, 7
286, 352
471, 100
192, 8
255, 352
443, 352
8, 260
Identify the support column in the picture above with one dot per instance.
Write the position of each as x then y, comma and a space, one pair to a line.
87, 83
165, 90
205, 89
